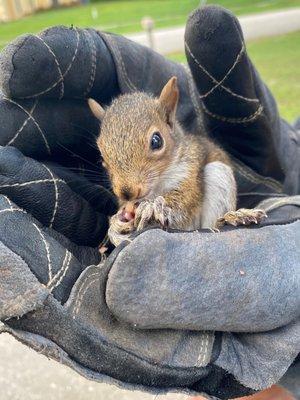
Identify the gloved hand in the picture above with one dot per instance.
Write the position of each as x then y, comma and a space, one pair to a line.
213, 313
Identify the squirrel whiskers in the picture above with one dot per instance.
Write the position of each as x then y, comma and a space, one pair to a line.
161, 174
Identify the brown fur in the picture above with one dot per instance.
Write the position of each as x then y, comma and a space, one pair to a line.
127, 127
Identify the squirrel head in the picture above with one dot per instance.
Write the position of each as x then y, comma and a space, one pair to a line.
139, 141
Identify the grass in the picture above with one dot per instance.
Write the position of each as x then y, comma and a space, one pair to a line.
123, 16
277, 59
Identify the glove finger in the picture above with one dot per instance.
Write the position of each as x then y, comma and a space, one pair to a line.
34, 187
75, 63
235, 102
212, 281
52, 264
43, 128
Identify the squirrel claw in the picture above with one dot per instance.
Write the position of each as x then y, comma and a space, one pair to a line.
243, 216
119, 230
151, 212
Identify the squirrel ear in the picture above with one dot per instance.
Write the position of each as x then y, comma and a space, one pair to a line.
169, 99
96, 109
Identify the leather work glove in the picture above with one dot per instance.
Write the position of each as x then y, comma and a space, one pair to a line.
200, 312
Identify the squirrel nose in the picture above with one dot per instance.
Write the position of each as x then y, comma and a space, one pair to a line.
129, 193
126, 193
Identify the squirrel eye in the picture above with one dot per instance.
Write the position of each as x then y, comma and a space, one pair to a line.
156, 141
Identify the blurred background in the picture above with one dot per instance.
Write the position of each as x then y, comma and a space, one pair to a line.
272, 33
271, 27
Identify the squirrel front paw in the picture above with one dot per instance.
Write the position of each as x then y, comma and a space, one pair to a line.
151, 212
243, 216
119, 230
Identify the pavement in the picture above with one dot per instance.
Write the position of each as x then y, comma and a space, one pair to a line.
254, 26
27, 375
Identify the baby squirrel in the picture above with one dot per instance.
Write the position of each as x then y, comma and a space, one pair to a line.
161, 174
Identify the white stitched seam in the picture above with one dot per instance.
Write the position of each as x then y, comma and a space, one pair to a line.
203, 350
64, 272
47, 250
67, 259
204, 360
33, 119
61, 79
56, 192
12, 209
121, 63
61, 273
91, 42
82, 291
24, 124
243, 120
8, 200
200, 350
63, 74
219, 83
31, 183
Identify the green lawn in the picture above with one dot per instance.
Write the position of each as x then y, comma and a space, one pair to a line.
277, 60
122, 16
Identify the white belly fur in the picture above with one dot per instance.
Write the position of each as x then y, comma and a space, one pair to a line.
219, 193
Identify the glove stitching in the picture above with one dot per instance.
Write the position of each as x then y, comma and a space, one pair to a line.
92, 45
8, 200
32, 183
12, 209
56, 193
46, 244
11, 206
32, 119
68, 256
24, 124
203, 350
220, 83
63, 270
61, 79
81, 292
88, 283
249, 118
120, 61
63, 75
